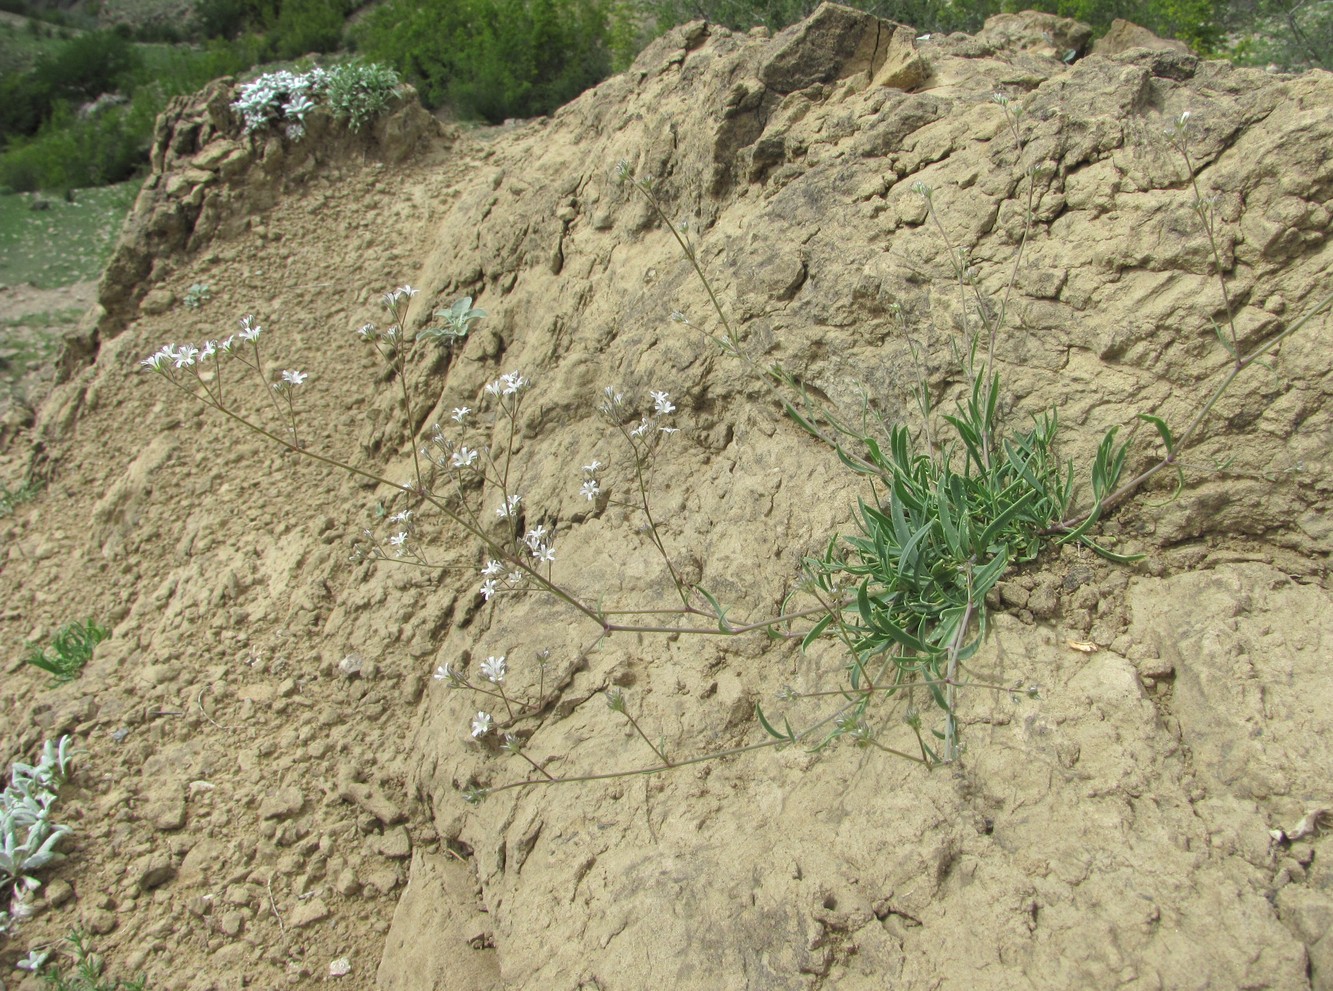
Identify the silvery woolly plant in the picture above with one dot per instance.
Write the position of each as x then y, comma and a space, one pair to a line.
28, 836
355, 92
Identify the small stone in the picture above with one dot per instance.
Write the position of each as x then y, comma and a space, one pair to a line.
158, 674
154, 871
371, 800
59, 892
99, 921
340, 967
164, 807
201, 864
158, 301
1155, 668
307, 913
232, 923
350, 666
346, 883
383, 881
394, 844
282, 804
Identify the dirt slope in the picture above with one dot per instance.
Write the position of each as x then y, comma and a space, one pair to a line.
273, 776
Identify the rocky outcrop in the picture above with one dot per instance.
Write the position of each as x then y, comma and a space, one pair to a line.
209, 179
1143, 730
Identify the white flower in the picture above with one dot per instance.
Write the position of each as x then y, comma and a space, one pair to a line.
488, 589
250, 330
442, 673
493, 388
367, 331
590, 489
481, 724
662, 402
210, 347
464, 457
226, 346
534, 536
399, 538
460, 412
513, 383
668, 430
492, 569
294, 378
406, 290
641, 429
493, 669
402, 517
544, 553
185, 355
508, 507
157, 359
593, 468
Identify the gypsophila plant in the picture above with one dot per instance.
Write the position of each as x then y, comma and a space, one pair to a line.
948, 509
70, 649
28, 836
355, 92
197, 295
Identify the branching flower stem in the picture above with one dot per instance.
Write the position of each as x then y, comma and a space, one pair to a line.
1184, 440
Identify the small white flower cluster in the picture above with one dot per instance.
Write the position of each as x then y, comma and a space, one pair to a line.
643, 437
171, 359
495, 579
507, 385
591, 487
493, 669
402, 539
538, 542
28, 837
280, 96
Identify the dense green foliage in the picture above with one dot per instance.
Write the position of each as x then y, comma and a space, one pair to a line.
479, 59
50, 138
493, 59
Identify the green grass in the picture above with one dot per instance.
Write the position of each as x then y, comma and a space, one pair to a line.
69, 242
70, 650
44, 320
23, 492
88, 970
21, 45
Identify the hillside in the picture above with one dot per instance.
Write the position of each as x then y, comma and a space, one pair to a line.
274, 782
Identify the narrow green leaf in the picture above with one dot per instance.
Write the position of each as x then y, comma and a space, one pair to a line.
1162, 429
816, 631
788, 736
721, 613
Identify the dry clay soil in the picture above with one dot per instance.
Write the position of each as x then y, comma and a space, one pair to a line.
269, 793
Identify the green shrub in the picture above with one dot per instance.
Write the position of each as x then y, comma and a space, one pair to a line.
80, 70
357, 91
305, 26
1292, 34
71, 648
493, 59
